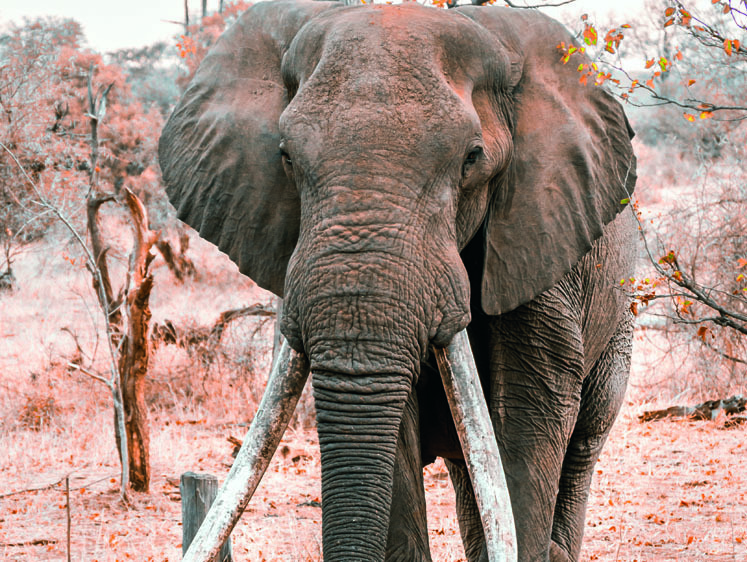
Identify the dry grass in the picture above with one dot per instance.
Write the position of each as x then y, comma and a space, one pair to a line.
663, 491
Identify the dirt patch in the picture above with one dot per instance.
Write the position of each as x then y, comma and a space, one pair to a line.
668, 490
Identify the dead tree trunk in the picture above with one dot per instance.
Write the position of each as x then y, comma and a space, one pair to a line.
129, 321
133, 360
108, 302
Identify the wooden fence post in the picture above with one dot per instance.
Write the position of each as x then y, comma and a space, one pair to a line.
198, 492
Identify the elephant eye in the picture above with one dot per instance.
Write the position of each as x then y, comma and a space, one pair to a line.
471, 158
286, 157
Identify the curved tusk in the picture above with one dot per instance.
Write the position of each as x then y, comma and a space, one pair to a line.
284, 387
470, 412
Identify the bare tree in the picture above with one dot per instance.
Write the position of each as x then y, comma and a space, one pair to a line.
126, 312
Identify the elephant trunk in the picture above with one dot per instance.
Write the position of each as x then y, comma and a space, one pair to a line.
358, 419
365, 329
366, 294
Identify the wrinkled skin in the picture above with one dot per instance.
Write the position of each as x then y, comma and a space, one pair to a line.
399, 173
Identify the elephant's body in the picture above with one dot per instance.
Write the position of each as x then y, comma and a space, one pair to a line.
398, 174
554, 372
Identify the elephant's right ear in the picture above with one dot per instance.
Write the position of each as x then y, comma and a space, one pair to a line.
573, 167
219, 149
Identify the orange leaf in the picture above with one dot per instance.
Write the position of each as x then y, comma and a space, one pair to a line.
650, 82
727, 8
669, 22
686, 20
706, 114
690, 539
702, 332
649, 63
742, 262
678, 56
727, 46
590, 35
668, 12
735, 43
690, 82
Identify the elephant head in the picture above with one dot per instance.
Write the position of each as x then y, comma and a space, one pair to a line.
343, 157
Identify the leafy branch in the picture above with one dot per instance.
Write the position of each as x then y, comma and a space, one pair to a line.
669, 270
675, 14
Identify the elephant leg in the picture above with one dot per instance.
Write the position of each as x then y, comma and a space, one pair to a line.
407, 540
537, 371
602, 396
470, 525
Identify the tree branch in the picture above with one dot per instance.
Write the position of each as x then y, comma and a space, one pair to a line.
544, 5
93, 375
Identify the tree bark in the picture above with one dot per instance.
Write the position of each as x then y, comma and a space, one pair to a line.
108, 302
133, 361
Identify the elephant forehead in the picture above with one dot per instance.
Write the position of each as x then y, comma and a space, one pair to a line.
425, 45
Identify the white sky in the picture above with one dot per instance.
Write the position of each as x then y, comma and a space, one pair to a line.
114, 24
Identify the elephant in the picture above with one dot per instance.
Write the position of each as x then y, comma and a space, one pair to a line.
403, 175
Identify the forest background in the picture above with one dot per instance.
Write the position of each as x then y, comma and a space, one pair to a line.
86, 228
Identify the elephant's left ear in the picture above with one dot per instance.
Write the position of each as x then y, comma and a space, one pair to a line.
219, 151
574, 167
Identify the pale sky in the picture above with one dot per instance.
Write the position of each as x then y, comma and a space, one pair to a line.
114, 24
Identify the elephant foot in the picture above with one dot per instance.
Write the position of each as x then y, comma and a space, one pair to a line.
408, 551
557, 554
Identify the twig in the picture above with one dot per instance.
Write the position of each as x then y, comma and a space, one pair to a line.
92, 482
724, 355
67, 510
85, 371
690, 103
39, 488
53, 484
34, 542
545, 5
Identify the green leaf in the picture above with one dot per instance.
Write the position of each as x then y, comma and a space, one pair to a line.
625, 201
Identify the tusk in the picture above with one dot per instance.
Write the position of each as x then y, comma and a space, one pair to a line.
470, 412
284, 387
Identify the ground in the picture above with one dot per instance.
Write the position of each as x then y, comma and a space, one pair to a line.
668, 490
663, 491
